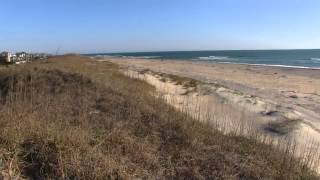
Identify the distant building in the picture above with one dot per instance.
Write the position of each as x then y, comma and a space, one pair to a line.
6, 57
21, 57
40, 56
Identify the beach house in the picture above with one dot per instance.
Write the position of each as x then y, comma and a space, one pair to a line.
5, 57
21, 57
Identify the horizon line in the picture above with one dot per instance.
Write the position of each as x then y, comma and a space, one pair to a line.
117, 52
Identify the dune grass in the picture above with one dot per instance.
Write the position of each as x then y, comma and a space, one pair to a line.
74, 118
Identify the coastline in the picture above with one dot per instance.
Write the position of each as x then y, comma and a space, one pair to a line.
293, 58
282, 101
158, 58
272, 65
293, 88
301, 70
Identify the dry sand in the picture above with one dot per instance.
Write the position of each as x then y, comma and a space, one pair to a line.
281, 102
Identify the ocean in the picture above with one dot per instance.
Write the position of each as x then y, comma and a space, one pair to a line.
290, 58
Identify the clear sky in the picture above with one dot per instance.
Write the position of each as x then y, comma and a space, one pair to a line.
89, 26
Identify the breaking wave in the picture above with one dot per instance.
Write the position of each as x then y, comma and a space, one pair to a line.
315, 59
150, 57
214, 58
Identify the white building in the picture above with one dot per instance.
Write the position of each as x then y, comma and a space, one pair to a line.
21, 57
5, 57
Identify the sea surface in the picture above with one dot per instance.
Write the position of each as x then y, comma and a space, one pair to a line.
288, 58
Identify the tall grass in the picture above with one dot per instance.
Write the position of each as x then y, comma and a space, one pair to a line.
71, 118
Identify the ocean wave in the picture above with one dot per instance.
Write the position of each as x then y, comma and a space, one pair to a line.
103, 56
150, 57
315, 59
273, 65
137, 57
214, 58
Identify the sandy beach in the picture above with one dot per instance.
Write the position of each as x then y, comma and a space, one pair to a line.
292, 89
283, 101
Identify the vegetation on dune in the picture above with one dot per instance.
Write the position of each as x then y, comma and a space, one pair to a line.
74, 118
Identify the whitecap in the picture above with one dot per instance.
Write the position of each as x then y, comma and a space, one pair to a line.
315, 59
214, 58
150, 57
274, 65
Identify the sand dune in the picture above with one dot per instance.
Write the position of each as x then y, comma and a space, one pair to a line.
282, 102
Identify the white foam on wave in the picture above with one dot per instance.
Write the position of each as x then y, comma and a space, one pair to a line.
214, 58
315, 59
130, 57
102, 56
149, 57
274, 65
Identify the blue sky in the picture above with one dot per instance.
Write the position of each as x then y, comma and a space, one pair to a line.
89, 26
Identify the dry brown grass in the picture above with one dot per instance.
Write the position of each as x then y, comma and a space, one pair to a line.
72, 118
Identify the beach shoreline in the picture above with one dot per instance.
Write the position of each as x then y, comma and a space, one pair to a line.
294, 89
312, 72
203, 61
288, 97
